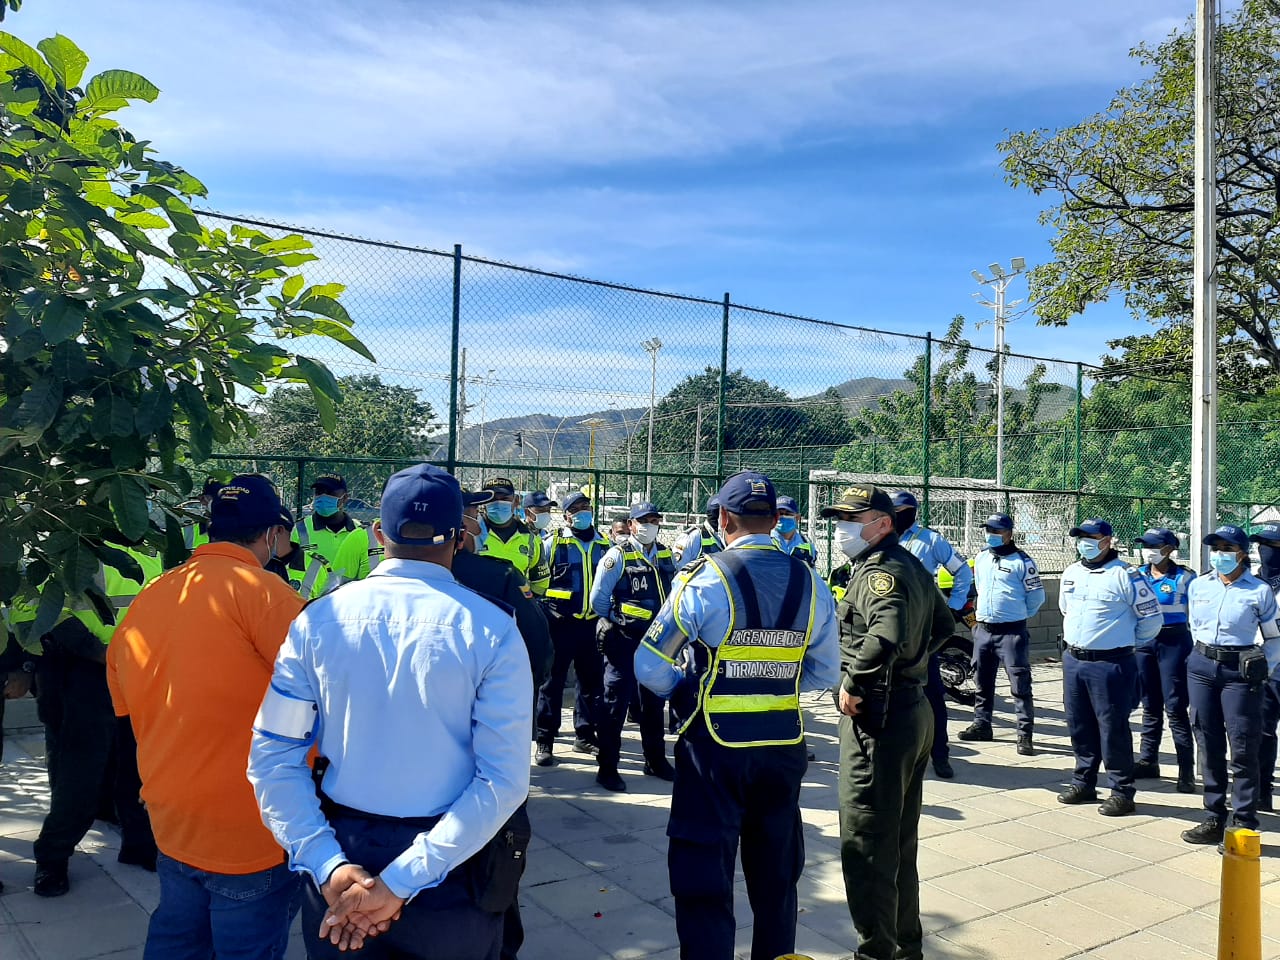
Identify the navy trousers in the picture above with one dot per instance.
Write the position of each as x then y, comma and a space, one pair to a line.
1099, 695
1162, 669
937, 696
575, 643
1267, 751
990, 650
621, 690
1226, 713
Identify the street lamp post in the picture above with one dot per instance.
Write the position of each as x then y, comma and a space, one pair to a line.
484, 400
651, 346
592, 423
999, 283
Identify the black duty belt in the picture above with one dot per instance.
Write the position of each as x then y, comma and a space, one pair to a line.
332, 808
1221, 654
1116, 653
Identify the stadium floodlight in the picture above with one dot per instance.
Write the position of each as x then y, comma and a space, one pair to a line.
1019, 264
999, 283
996, 269
979, 276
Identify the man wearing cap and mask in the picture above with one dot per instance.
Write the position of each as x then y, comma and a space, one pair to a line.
1267, 537
701, 540
537, 512
319, 536
510, 539
1162, 663
1237, 649
418, 692
575, 552
787, 533
188, 667
1107, 609
1009, 594
759, 628
934, 551
630, 585
892, 619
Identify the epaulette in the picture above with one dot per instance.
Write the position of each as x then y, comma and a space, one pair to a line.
696, 564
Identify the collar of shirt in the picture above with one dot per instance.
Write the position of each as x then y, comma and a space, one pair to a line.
220, 548
413, 569
753, 540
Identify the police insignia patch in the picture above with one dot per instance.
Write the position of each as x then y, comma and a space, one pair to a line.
608, 561
881, 583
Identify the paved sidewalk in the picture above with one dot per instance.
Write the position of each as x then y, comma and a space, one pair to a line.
1007, 872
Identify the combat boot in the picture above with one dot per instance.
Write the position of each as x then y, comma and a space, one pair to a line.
976, 731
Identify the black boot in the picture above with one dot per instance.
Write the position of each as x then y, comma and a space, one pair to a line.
51, 879
1207, 833
1186, 779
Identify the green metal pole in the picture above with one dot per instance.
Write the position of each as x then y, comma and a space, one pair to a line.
1079, 422
924, 426
300, 489
453, 360
724, 388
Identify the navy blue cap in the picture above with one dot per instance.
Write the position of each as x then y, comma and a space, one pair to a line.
905, 498
329, 483
789, 504
573, 498
501, 486
713, 505
999, 521
748, 493
1093, 527
1158, 537
422, 494
1229, 533
249, 502
537, 499
473, 498
1268, 531
644, 509
211, 487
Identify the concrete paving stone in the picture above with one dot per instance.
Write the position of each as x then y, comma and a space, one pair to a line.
940, 909
1171, 885
1093, 857
1138, 908
1006, 806
1052, 875
741, 906
1146, 946
830, 920
533, 917
990, 888
1203, 863
1062, 823
549, 865
1147, 848
1079, 926
971, 848
93, 932
611, 850
647, 880
631, 933
1018, 833
824, 882
809, 943
1196, 929
935, 948
1000, 936
560, 942
577, 899
931, 863
91, 889
567, 824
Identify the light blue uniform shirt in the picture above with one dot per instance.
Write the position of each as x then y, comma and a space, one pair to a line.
788, 545
424, 698
1107, 607
1238, 614
688, 547
934, 550
608, 574
1009, 587
698, 607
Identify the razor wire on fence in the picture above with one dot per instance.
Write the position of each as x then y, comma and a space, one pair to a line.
560, 382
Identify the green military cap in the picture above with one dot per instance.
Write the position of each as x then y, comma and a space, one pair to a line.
857, 498
501, 486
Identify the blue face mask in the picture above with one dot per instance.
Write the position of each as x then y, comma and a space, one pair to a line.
1088, 549
582, 520
995, 540
786, 526
325, 505
1224, 562
482, 536
500, 512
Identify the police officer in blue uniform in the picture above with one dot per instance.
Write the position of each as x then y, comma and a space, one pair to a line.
575, 553
1267, 537
1009, 594
1107, 610
418, 692
933, 550
758, 627
699, 541
787, 533
630, 586
1162, 663
1230, 609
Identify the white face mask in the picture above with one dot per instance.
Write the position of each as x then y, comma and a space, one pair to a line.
646, 533
1152, 556
541, 521
848, 538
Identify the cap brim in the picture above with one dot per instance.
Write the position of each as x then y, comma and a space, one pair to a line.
1080, 532
475, 498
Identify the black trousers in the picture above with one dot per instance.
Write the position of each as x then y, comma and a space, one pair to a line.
936, 694
1098, 696
1267, 751
621, 690
725, 797
990, 650
1162, 668
1226, 715
575, 643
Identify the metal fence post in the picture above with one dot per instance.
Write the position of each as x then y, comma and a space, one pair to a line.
924, 426
1079, 423
299, 489
724, 388
453, 359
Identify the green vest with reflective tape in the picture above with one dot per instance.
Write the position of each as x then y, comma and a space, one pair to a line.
319, 546
119, 591
750, 694
357, 558
523, 550
195, 535
643, 585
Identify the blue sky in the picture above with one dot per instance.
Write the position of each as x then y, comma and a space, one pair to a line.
832, 159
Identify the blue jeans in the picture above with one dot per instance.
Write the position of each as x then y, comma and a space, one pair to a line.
231, 916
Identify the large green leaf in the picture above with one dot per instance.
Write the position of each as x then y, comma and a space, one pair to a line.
292, 286
30, 58
52, 599
317, 375
337, 331
111, 89
79, 566
128, 498
325, 307
39, 407
67, 60
63, 319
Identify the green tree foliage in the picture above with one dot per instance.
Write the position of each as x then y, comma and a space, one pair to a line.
132, 333
1125, 187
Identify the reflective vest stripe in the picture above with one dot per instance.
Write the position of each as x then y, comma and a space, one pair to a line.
189, 536
750, 703
555, 594
753, 653
631, 610
304, 536
308, 581
375, 549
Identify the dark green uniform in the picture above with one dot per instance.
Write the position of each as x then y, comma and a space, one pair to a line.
891, 619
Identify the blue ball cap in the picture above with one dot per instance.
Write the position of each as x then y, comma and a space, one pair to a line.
788, 504
1268, 531
747, 493
573, 498
1233, 535
999, 521
1159, 537
713, 505
473, 498
1093, 527
331, 483
249, 502
537, 499
644, 509
905, 498
422, 494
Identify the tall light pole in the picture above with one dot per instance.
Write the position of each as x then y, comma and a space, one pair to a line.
999, 283
484, 400
626, 426
651, 346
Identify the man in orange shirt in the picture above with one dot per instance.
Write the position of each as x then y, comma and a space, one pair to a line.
189, 666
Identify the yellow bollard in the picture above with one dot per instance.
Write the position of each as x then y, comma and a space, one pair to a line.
1240, 912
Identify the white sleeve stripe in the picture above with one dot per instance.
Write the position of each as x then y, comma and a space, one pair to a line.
282, 715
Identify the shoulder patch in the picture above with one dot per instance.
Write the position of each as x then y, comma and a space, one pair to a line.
610, 560
881, 583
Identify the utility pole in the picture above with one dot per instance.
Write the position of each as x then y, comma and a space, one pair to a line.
1204, 287
462, 401
999, 283
651, 346
697, 457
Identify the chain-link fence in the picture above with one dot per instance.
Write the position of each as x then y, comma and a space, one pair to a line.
561, 382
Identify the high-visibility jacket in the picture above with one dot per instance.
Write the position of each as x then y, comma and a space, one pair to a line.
195, 535
573, 564
523, 549
643, 585
119, 590
358, 556
319, 548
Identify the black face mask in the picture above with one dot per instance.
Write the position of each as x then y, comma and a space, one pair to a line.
903, 519
1270, 556
713, 519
